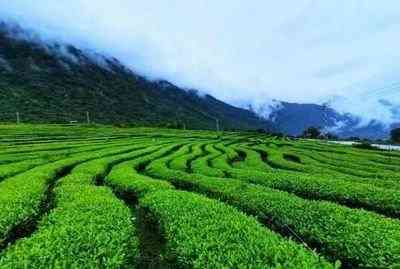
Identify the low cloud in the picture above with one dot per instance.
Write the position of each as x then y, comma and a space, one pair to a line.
303, 51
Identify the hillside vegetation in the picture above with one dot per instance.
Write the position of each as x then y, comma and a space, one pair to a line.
58, 83
103, 197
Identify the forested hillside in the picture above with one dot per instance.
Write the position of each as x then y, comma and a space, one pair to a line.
60, 83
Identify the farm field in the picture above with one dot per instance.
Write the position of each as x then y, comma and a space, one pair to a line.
104, 197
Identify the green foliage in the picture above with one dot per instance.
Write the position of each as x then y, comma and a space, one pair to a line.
89, 227
304, 199
21, 196
395, 135
365, 145
203, 233
126, 181
348, 231
312, 132
51, 87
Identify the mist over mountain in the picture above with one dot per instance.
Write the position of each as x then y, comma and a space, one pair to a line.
313, 52
282, 64
294, 118
57, 82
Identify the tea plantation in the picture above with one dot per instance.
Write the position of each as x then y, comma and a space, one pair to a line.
104, 197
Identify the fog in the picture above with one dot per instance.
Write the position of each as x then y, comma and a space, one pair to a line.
345, 52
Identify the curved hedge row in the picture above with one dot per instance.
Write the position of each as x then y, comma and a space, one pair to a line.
356, 237
382, 200
310, 192
21, 196
197, 230
203, 233
88, 228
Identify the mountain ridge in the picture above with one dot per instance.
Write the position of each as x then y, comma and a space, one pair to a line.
294, 118
59, 83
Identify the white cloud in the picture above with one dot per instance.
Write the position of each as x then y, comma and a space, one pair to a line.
301, 51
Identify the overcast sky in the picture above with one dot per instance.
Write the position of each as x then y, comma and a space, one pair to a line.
241, 51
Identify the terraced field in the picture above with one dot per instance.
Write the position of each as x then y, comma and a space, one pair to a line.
102, 197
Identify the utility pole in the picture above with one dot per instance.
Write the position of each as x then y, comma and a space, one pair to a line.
324, 115
210, 117
18, 119
87, 117
217, 124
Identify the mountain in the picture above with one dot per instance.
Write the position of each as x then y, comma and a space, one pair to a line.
50, 82
294, 118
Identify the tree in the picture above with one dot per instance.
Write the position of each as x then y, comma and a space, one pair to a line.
312, 132
365, 144
354, 138
330, 136
395, 135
